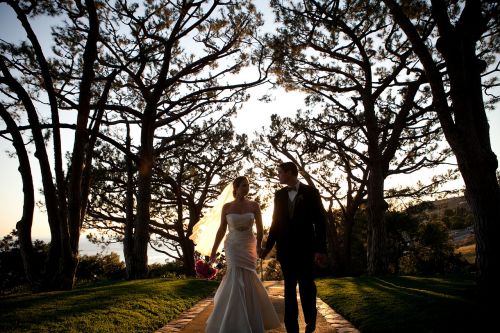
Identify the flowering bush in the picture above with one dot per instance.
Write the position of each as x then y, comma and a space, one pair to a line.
205, 270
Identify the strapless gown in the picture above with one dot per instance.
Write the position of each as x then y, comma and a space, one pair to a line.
241, 303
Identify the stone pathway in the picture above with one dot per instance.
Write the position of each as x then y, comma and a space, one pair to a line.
328, 321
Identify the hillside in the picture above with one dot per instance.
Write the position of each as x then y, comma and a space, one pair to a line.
443, 207
455, 214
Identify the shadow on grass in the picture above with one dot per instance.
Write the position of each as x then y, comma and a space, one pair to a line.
404, 304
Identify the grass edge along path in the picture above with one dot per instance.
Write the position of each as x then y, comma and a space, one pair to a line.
405, 303
126, 306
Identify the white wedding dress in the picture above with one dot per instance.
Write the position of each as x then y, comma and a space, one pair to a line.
241, 301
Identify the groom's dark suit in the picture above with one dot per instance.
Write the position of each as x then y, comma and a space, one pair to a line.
298, 230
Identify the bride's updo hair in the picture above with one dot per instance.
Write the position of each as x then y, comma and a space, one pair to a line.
237, 182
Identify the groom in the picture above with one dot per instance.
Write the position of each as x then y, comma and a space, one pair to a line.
298, 229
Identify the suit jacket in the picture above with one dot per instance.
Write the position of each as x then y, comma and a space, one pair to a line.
299, 232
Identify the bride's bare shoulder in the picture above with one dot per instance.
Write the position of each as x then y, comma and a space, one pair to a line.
227, 205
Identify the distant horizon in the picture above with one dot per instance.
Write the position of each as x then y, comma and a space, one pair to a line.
88, 248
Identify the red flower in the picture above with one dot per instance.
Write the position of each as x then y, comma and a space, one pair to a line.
205, 270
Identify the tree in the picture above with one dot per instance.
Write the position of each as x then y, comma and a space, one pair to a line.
180, 60
455, 62
185, 180
401, 231
27, 74
373, 102
92, 267
191, 177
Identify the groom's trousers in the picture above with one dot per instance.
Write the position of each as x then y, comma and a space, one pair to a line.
301, 272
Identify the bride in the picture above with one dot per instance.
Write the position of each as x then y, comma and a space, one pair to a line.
241, 303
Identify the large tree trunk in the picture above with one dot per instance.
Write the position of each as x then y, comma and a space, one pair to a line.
141, 225
47, 280
483, 196
478, 165
376, 254
24, 225
71, 238
187, 247
464, 123
65, 224
65, 277
347, 242
145, 167
141, 232
376, 247
128, 239
472, 147
55, 270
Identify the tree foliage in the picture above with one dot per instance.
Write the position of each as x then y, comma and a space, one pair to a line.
373, 112
151, 70
185, 180
180, 62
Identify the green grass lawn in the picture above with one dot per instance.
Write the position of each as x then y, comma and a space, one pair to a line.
404, 304
130, 306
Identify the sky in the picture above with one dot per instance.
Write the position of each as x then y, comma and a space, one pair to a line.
251, 118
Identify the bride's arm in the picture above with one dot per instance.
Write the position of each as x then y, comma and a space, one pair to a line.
220, 234
260, 229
